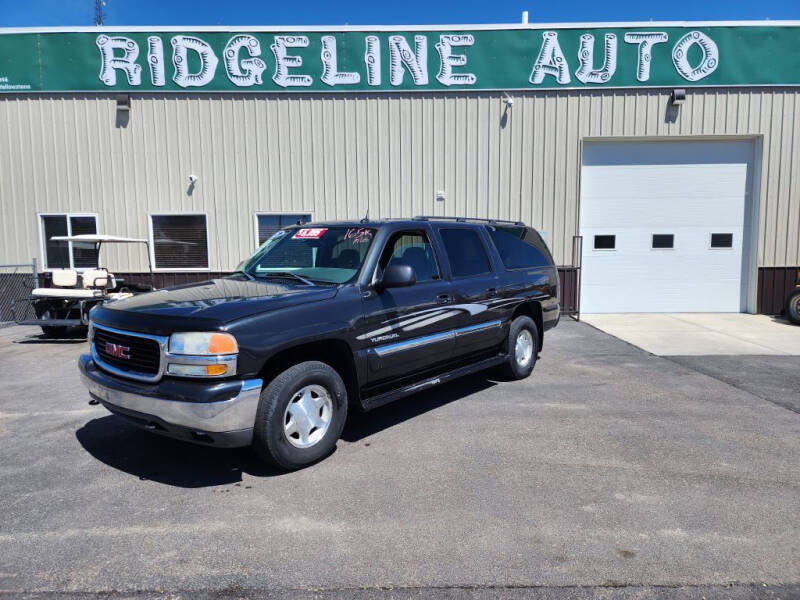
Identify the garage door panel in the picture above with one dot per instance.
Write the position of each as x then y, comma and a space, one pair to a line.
674, 181
666, 152
640, 212
647, 194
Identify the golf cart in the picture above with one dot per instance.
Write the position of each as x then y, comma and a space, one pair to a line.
68, 302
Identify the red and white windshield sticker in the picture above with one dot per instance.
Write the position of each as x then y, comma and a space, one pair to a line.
309, 233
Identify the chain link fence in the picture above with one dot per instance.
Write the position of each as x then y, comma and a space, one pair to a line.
16, 283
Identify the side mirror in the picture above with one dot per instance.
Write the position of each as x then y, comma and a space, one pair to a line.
396, 276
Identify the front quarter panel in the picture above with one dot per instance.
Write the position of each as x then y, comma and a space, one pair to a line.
264, 335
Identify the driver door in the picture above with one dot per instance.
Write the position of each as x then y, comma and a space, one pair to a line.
407, 331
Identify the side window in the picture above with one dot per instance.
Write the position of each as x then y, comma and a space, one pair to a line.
517, 247
465, 252
412, 248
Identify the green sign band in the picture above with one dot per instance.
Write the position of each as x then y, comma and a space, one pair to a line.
481, 59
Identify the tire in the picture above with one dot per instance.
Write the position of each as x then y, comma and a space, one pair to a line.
793, 307
54, 332
49, 331
287, 438
522, 359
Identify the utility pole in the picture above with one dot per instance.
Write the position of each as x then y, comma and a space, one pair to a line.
99, 13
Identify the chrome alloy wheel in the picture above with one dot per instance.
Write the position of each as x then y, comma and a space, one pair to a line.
523, 348
308, 416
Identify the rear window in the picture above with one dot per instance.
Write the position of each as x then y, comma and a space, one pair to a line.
518, 247
465, 252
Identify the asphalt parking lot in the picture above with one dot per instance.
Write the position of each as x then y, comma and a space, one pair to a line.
610, 473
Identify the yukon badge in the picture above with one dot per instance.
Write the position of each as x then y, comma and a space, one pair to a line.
118, 351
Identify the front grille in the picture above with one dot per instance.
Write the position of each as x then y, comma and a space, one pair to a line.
144, 353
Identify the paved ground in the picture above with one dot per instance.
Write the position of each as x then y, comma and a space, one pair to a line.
610, 473
702, 334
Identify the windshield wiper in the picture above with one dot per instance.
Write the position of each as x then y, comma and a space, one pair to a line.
290, 274
245, 273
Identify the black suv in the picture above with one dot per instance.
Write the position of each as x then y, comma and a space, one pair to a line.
323, 318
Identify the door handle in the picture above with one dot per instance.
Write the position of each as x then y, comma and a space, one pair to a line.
492, 292
444, 298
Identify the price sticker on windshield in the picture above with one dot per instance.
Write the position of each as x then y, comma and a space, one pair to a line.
309, 233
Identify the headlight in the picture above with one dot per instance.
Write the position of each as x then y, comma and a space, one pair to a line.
202, 344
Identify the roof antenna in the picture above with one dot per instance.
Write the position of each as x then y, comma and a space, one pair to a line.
366, 217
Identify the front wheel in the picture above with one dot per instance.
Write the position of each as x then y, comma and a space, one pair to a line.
300, 415
522, 347
793, 307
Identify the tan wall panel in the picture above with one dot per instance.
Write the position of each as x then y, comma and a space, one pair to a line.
338, 155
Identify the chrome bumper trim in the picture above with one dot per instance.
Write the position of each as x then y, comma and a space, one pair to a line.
213, 417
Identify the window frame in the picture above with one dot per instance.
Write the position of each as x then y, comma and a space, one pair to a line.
272, 213
710, 238
400, 232
596, 249
152, 242
42, 241
481, 240
652, 240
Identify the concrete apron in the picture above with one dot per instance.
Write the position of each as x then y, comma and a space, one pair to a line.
696, 334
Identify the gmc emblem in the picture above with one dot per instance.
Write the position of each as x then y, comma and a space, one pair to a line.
118, 351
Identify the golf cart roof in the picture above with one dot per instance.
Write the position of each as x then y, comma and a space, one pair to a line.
94, 238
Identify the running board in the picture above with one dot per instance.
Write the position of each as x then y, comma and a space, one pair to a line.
51, 322
386, 398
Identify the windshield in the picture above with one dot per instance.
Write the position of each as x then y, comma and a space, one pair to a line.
313, 254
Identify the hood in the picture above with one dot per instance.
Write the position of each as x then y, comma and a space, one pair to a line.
221, 300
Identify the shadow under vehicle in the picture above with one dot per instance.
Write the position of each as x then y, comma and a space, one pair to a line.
73, 294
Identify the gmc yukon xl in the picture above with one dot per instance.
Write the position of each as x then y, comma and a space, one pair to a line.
322, 319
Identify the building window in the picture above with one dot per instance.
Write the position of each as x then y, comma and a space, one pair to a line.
465, 252
663, 241
268, 224
605, 242
179, 241
722, 240
68, 255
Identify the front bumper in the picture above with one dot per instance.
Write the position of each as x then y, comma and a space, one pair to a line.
227, 422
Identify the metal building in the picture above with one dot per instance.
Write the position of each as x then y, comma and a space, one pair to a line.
660, 160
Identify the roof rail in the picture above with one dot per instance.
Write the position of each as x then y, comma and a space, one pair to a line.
466, 220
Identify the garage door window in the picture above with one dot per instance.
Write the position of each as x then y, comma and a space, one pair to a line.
663, 241
605, 242
722, 240
179, 241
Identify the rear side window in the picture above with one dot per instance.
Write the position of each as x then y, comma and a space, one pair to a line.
518, 247
465, 252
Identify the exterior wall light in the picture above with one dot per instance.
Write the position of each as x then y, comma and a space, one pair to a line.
123, 102
677, 97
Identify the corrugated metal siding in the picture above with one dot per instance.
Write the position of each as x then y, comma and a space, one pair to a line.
774, 285
337, 155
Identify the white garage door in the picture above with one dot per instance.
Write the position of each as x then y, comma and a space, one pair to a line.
664, 225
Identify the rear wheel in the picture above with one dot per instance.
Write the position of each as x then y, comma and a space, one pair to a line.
300, 416
522, 347
44, 313
793, 307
